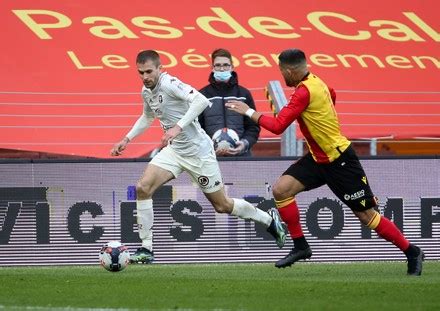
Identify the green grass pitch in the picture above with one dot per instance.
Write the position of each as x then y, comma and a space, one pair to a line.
304, 286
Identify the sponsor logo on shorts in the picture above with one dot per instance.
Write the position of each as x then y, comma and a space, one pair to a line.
354, 196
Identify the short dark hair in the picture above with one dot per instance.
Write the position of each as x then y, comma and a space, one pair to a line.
292, 57
221, 53
147, 55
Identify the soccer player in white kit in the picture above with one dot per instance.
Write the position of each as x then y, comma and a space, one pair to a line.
186, 147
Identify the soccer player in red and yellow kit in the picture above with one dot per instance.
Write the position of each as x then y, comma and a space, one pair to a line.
331, 160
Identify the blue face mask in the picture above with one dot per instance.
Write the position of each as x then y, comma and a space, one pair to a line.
222, 76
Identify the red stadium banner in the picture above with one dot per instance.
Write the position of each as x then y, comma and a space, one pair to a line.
77, 57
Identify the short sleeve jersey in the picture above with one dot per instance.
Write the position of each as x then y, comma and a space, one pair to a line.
168, 102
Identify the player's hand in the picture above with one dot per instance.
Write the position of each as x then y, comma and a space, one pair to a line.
170, 134
119, 147
237, 106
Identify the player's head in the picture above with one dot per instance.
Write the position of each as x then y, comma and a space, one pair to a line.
222, 65
149, 67
293, 66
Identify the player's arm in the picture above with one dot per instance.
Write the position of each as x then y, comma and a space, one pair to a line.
197, 103
140, 126
332, 94
142, 123
289, 113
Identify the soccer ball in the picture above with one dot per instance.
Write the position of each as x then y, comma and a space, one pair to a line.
225, 138
114, 256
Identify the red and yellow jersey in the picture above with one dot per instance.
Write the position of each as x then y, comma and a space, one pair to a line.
312, 105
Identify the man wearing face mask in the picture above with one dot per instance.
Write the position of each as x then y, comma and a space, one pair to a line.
223, 86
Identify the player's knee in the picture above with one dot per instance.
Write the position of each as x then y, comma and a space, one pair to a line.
369, 217
143, 191
279, 191
368, 208
222, 209
363, 216
223, 206
285, 187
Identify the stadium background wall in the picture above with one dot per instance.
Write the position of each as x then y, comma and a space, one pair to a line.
60, 213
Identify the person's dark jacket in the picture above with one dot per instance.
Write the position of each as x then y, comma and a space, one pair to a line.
218, 116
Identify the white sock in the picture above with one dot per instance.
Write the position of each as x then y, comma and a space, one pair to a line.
246, 210
145, 219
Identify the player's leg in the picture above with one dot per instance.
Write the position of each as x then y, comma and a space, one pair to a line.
387, 230
159, 171
349, 182
208, 177
300, 176
245, 210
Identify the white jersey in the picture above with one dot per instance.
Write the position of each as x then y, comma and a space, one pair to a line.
168, 102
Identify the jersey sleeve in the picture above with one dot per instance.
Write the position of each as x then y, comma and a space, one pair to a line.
180, 90
142, 123
188, 95
197, 104
297, 104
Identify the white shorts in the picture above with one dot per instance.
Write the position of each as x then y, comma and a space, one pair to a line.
204, 171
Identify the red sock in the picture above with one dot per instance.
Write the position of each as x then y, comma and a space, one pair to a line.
389, 231
290, 215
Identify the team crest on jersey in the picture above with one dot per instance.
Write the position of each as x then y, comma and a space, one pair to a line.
160, 98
